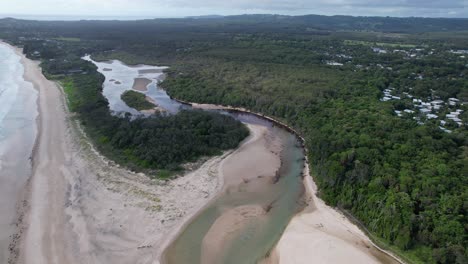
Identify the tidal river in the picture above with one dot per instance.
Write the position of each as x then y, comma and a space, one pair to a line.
261, 192
18, 112
243, 224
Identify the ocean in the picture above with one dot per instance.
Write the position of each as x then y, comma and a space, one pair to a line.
18, 113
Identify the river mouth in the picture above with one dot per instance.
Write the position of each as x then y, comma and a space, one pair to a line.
262, 179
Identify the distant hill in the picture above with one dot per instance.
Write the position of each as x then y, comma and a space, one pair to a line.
260, 23
206, 16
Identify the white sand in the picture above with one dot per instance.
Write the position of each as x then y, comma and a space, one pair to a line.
259, 156
321, 234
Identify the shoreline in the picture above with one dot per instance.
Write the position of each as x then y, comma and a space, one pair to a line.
35, 207
24, 196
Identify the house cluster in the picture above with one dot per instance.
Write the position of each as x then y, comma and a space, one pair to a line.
460, 52
388, 95
379, 50
430, 110
427, 110
333, 63
408, 54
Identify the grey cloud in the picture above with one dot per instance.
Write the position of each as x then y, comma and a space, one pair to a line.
311, 4
329, 7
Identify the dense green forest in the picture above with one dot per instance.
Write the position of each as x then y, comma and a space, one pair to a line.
362, 91
405, 181
159, 142
136, 100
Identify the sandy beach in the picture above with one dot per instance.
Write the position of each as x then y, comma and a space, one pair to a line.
321, 234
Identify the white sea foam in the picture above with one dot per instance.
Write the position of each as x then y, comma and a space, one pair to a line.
18, 112
9, 70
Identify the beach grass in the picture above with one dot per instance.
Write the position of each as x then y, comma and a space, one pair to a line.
70, 90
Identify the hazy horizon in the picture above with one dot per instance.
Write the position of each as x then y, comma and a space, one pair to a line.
46, 17
140, 9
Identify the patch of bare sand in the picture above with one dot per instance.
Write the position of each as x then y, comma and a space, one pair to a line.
225, 229
140, 84
320, 234
155, 109
257, 158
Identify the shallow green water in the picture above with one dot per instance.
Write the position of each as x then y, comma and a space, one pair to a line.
255, 240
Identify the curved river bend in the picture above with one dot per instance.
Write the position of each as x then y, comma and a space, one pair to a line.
246, 219
262, 185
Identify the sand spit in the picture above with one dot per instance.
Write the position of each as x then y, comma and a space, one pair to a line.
140, 84
85, 209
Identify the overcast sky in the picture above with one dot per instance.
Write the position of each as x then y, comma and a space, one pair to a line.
180, 8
